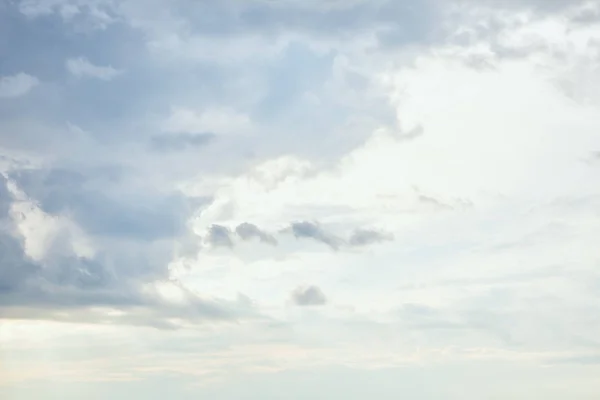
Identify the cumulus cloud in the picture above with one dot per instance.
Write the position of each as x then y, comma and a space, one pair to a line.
17, 85
81, 67
120, 272
100, 207
248, 231
308, 296
346, 107
219, 236
312, 230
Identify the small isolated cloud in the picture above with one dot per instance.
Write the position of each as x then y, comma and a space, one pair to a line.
364, 237
81, 67
180, 141
309, 296
247, 231
314, 231
219, 236
17, 85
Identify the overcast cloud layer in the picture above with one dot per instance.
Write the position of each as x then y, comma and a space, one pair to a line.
299, 199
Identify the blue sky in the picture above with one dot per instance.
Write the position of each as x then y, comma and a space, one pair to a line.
299, 199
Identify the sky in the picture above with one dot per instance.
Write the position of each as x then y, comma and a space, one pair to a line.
299, 199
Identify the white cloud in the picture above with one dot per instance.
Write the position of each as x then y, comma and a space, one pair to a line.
492, 208
81, 67
482, 187
17, 85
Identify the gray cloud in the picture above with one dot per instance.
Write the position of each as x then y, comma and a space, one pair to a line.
70, 288
248, 231
364, 237
14, 267
219, 236
66, 286
359, 237
314, 231
101, 205
309, 296
5, 197
180, 141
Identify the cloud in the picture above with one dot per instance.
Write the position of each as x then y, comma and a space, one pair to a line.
47, 272
363, 237
17, 85
248, 231
311, 230
308, 296
100, 206
82, 68
180, 141
97, 14
328, 111
219, 236
217, 120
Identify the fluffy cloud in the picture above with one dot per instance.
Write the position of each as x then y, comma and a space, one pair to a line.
308, 296
444, 150
248, 231
219, 236
17, 85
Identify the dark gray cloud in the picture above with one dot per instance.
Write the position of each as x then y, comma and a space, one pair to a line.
101, 205
364, 237
68, 287
248, 231
309, 296
359, 237
180, 141
312, 230
219, 236
65, 286
14, 266
64, 303
5, 197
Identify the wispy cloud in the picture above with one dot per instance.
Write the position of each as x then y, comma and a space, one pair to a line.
81, 67
312, 230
